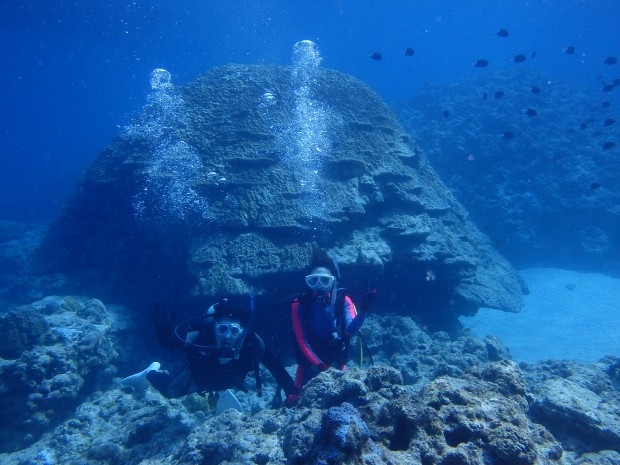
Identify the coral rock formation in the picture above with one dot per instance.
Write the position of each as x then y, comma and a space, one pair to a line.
275, 169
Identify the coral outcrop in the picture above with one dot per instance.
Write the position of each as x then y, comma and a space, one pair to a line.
578, 403
419, 403
253, 166
54, 353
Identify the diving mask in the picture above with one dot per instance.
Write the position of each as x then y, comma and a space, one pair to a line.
223, 329
319, 282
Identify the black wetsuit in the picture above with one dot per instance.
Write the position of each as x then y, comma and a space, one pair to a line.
208, 369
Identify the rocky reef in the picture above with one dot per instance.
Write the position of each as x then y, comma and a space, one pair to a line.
232, 181
533, 160
53, 354
427, 399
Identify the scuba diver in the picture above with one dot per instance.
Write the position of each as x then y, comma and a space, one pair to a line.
324, 321
220, 350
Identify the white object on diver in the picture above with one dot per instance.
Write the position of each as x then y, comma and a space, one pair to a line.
227, 400
139, 381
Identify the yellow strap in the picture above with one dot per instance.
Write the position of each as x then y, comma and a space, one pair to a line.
361, 352
359, 337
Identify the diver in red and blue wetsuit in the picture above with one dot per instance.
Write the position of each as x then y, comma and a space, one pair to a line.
324, 321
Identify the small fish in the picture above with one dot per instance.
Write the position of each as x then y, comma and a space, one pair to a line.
570, 50
583, 126
520, 58
531, 112
608, 145
608, 87
484, 96
502, 33
616, 82
609, 122
508, 135
535, 90
446, 113
376, 56
610, 61
499, 94
409, 52
533, 54
481, 63
606, 104
595, 185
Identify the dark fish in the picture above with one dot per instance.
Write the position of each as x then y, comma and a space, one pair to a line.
609, 122
502, 33
616, 82
531, 112
409, 52
446, 113
583, 126
606, 104
595, 185
533, 54
569, 50
376, 56
608, 87
508, 135
520, 58
610, 61
484, 96
499, 94
609, 145
535, 90
481, 63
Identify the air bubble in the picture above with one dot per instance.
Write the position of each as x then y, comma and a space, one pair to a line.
306, 141
166, 194
161, 79
306, 56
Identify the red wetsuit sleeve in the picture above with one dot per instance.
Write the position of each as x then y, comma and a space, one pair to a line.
353, 320
300, 337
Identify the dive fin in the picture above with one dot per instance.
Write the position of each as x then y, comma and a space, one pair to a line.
227, 400
139, 381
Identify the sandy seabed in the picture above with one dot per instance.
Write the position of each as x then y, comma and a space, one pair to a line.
567, 315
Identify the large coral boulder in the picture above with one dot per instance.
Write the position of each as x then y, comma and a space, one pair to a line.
230, 182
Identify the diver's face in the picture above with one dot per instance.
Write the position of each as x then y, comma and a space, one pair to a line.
228, 332
320, 280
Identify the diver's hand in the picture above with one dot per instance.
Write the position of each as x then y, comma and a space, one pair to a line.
162, 318
368, 298
291, 400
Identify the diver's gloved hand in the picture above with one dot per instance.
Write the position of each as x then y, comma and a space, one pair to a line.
368, 298
162, 318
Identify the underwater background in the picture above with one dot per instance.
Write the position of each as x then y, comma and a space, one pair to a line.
514, 106
78, 71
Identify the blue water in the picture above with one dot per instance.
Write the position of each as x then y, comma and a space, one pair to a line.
75, 72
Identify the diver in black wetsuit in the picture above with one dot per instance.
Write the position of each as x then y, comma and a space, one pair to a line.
220, 350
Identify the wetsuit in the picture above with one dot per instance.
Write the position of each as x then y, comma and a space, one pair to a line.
208, 369
322, 334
